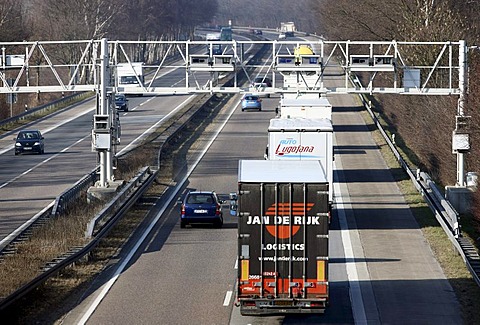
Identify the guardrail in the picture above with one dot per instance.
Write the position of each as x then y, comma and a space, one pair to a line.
445, 214
70, 195
116, 207
40, 109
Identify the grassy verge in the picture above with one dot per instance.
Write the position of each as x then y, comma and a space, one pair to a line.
466, 290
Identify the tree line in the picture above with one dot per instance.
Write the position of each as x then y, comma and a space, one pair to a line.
95, 19
65, 20
426, 123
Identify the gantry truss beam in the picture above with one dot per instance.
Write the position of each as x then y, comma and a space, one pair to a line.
418, 68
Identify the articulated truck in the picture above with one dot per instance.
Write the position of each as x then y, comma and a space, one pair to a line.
283, 221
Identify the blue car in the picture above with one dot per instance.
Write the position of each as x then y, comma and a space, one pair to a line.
250, 101
201, 207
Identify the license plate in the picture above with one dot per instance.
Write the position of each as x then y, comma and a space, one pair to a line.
27, 148
200, 211
283, 303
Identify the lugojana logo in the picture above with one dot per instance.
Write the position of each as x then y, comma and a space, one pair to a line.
288, 146
283, 226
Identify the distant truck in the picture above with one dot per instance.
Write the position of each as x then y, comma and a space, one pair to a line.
216, 49
299, 138
129, 76
226, 34
288, 28
283, 225
306, 106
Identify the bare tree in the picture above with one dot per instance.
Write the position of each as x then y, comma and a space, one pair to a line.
365, 19
12, 21
74, 19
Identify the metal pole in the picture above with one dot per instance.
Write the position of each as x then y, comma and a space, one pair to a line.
462, 63
105, 164
109, 165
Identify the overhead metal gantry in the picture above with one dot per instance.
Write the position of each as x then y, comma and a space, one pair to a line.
427, 68
389, 67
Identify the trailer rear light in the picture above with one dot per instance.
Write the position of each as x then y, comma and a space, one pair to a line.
183, 209
249, 303
316, 304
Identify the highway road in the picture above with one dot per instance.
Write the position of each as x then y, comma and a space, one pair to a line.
28, 183
381, 269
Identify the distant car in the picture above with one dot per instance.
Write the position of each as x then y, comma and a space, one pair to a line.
281, 36
258, 32
251, 101
121, 102
201, 207
29, 141
261, 82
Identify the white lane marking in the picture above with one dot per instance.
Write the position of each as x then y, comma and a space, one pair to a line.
236, 264
42, 163
17, 231
356, 299
141, 136
106, 287
355, 291
228, 297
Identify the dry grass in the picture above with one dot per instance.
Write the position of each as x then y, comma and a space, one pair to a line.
55, 238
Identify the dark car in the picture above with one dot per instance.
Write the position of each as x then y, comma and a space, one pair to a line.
258, 32
260, 83
201, 207
29, 141
251, 101
121, 102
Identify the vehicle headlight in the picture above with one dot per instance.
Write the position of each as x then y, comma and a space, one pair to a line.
18, 144
36, 143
